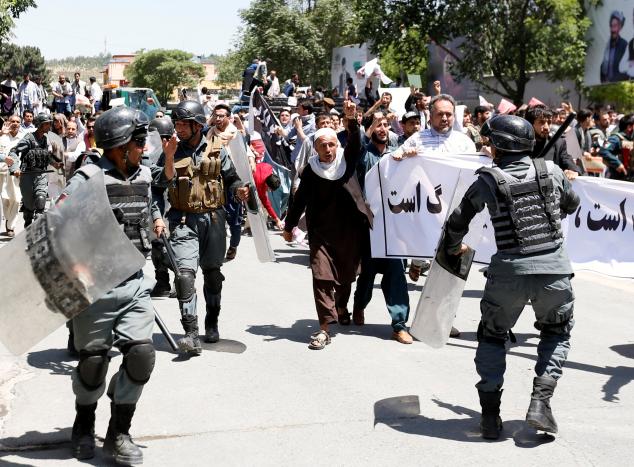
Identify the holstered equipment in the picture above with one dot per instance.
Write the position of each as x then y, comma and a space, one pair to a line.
199, 188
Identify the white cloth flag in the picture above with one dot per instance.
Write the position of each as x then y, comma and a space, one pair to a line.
372, 68
410, 201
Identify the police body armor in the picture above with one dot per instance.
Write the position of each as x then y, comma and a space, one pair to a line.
527, 217
130, 203
198, 188
36, 158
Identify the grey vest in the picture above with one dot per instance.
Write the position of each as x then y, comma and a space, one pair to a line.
130, 203
526, 218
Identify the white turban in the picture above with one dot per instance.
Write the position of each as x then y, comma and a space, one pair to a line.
329, 132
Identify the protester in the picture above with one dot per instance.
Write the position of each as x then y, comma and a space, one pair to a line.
393, 283
27, 122
613, 151
8, 91
9, 185
27, 95
541, 117
61, 91
96, 94
338, 221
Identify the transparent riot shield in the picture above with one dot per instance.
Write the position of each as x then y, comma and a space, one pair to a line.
64, 262
440, 299
153, 147
257, 219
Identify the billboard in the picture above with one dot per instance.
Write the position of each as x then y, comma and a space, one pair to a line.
610, 56
346, 61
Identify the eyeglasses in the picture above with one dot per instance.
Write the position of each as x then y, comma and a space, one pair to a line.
220, 116
91, 127
140, 142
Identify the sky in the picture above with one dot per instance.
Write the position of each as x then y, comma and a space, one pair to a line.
63, 28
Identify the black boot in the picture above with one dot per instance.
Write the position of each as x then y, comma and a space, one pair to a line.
191, 342
162, 287
490, 423
118, 444
83, 435
211, 327
539, 415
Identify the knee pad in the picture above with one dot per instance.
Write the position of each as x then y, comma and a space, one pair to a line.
40, 202
213, 280
555, 328
138, 360
93, 367
495, 340
184, 283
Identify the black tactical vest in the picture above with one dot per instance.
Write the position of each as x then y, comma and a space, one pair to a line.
527, 217
130, 203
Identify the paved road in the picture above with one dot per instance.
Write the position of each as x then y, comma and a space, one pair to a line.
261, 397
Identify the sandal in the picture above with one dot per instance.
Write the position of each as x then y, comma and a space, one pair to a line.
343, 316
319, 340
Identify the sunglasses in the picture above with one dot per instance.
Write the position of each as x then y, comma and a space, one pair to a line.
91, 127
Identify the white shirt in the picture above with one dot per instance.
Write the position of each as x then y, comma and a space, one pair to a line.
274, 90
95, 92
63, 89
429, 140
28, 95
8, 142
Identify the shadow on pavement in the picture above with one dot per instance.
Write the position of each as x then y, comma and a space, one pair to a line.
522, 338
619, 376
301, 330
301, 260
225, 346
403, 414
57, 361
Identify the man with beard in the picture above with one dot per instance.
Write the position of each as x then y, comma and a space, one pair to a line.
393, 283
614, 50
541, 118
439, 138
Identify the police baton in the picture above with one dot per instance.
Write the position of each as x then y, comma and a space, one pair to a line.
170, 255
560, 131
166, 332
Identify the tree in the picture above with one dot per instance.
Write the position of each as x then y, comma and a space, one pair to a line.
163, 70
621, 95
18, 60
504, 38
291, 36
9, 11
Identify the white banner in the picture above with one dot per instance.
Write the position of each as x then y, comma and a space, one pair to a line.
410, 200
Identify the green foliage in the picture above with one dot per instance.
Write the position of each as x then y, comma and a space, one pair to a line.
9, 11
80, 62
291, 36
505, 38
621, 95
163, 70
18, 60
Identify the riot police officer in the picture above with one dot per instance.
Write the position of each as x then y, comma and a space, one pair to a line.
124, 317
525, 199
35, 152
199, 176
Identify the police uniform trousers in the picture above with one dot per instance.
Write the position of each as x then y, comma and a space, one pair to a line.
200, 241
32, 186
393, 285
124, 314
505, 297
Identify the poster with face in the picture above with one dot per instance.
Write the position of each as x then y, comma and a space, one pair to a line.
610, 56
346, 61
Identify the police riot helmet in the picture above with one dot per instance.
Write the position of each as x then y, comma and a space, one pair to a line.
163, 126
190, 110
116, 127
42, 118
509, 133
